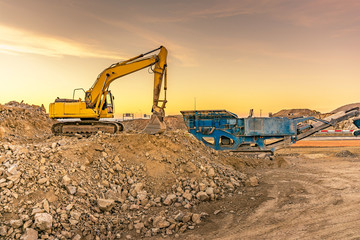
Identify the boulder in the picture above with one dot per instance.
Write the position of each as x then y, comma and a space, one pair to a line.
43, 221
105, 204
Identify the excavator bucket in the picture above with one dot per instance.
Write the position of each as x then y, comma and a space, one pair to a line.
155, 125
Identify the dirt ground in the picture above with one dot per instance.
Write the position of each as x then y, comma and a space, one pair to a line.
329, 143
170, 186
308, 193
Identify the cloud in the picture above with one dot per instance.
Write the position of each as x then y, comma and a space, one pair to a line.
178, 51
17, 41
229, 8
307, 13
211, 9
321, 13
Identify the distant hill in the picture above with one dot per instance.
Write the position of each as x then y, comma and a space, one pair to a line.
346, 107
294, 113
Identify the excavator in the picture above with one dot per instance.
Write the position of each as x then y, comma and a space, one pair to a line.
99, 105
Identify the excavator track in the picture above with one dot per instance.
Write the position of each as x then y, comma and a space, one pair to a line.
86, 128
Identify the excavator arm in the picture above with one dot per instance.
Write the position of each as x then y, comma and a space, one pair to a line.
95, 96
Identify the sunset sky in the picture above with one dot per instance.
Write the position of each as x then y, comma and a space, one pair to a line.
228, 54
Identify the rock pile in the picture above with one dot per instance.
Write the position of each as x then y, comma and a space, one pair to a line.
110, 186
23, 121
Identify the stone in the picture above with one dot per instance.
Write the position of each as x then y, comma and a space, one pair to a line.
168, 232
229, 185
42, 160
71, 189
139, 226
211, 172
69, 207
252, 181
16, 223
202, 186
160, 222
190, 167
138, 187
187, 218
124, 207
105, 204
209, 191
75, 215
76, 237
42, 169
42, 180
30, 234
99, 148
117, 167
134, 207
179, 217
234, 182
141, 195
169, 199
183, 228
187, 196
80, 192
66, 180
93, 218
43, 221
12, 169
196, 218
3, 231
36, 210
202, 196
263, 156
46, 206
155, 230
66, 234
14, 177
216, 212
27, 224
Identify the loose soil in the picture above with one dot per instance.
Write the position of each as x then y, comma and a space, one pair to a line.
330, 143
315, 196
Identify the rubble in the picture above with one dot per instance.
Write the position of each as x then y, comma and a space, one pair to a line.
125, 185
23, 121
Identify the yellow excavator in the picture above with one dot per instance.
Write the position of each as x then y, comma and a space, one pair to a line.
98, 102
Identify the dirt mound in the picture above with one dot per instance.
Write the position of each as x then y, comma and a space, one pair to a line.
346, 107
173, 122
345, 153
21, 120
294, 113
347, 124
111, 186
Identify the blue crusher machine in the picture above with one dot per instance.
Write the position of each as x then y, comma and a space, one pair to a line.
223, 130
